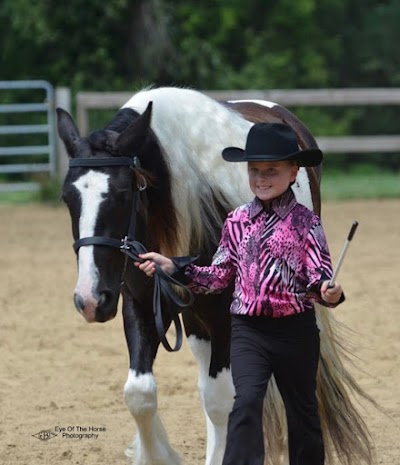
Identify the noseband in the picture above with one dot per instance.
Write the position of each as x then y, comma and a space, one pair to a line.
132, 249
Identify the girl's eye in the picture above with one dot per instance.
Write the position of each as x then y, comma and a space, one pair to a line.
263, 174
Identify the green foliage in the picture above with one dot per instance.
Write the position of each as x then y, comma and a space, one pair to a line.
379, 60
68, 44
214, 44
86, 44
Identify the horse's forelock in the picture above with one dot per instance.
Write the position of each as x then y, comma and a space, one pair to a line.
122, 120
103, 140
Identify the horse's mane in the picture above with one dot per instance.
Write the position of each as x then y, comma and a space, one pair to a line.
192, 130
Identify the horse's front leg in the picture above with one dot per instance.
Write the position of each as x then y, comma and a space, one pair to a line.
150, 446
208, 331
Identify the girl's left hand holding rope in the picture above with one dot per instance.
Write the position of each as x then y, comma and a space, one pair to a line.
150, 259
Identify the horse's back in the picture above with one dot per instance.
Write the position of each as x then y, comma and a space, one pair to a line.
193, 129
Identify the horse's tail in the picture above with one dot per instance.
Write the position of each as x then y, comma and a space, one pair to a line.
275, 425
345, 433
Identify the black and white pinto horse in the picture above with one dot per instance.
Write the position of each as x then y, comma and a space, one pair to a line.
176, 143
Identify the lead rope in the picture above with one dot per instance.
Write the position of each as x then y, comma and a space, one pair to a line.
162, 286
162, 281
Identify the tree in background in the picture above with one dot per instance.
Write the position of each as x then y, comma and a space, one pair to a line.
211, 44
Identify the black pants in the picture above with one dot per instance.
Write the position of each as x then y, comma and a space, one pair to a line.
287, 347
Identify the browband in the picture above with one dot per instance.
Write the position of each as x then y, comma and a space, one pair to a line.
101, 162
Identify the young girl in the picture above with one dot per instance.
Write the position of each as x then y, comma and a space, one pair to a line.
275, 250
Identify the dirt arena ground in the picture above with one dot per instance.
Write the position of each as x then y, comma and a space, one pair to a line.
59, 372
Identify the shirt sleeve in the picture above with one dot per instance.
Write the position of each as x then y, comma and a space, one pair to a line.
318, 264
217, 276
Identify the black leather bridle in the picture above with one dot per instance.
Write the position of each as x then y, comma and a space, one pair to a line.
132, 249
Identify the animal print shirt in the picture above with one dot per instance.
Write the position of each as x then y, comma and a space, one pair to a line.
277, 258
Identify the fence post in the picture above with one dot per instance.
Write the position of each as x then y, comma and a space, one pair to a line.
62, 100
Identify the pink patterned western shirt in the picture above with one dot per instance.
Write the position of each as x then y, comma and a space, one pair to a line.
277, 258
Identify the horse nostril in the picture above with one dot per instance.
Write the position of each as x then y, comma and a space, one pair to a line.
106, 306
78, 301
104, 302
104, 296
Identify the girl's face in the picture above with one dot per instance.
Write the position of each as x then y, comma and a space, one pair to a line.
270, 179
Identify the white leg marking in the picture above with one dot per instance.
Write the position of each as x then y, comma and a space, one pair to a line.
91, 186
217, 400
151, 444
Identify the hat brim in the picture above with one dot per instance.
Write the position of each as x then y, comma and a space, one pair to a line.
307, 157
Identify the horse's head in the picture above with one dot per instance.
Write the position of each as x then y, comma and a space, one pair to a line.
99, 199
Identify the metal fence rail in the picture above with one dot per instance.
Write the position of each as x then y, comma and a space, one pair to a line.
8, 153
87, 101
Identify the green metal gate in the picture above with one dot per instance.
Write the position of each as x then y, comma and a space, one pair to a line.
18, 160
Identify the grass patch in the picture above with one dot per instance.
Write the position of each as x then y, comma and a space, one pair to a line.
335, 186
49, 191
377, 185
16, 198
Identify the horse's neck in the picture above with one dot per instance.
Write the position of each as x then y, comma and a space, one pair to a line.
303, 190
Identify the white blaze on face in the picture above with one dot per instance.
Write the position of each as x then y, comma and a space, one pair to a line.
91, 186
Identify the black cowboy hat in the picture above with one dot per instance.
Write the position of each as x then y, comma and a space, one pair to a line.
273, 142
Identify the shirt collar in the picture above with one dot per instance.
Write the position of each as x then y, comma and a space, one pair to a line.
281, 205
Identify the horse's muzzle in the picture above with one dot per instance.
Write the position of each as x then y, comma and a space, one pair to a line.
97, 309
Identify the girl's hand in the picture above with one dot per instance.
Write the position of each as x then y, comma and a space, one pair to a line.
150, 261
331, 294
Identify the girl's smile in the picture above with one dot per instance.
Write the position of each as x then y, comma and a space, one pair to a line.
269, 180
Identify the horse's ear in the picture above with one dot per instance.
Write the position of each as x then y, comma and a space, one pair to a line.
68, 131
134, 136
